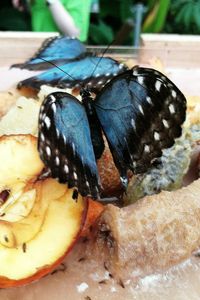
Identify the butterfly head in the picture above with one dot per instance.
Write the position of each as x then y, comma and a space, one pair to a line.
85, 92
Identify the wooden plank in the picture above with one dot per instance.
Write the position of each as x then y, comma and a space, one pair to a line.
16, 47
173, 50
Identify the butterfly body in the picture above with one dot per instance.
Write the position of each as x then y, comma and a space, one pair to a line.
94, 124
140, 112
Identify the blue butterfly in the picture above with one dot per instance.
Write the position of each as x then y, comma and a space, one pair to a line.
57, 50
85, 71
140, 112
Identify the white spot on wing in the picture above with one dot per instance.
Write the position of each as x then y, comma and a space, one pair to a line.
48, 150
156, 136
149, 100
64, 138
87, 183
42, 137
57, 132
47, 122
141, 109
75, 176
135, 73
52, 98
140, 79
66, 168
53, 106
133, 124
165, 123
158, 85
57, 161
171, 108
134, 164
146, 149
73, 148
173, 93
41, 116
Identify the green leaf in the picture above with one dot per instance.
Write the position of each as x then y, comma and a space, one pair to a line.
101, 34
155, 20
196, 17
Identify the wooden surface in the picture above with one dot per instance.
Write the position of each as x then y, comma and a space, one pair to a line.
173, 50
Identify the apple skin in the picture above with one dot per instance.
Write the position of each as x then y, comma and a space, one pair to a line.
94, 210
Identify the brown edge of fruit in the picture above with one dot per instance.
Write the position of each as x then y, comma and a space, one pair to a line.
6, 282
18, 136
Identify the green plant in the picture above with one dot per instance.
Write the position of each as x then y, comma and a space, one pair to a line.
156, 15
116, 18
184, 17
111, 17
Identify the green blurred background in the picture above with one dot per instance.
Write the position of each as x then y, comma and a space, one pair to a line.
117, 19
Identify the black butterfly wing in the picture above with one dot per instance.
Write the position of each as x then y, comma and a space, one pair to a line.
141, 112
65, 145
58, 50
78, 73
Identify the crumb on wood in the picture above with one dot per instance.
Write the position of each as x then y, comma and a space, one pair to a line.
24, 247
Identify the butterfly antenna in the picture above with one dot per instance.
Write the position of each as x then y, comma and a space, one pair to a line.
51, 63
101, 57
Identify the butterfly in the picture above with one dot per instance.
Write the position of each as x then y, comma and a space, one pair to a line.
77, 73
140, 112
59, 50
75, 61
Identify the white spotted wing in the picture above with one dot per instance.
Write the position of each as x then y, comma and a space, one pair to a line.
65, 144
141, 112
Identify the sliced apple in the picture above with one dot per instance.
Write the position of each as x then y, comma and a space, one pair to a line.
22, 118
39, 220
20, 160
34, 245
20, 163
94, 210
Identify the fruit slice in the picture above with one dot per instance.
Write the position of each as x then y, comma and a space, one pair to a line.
34, 245
94, 210
22, 118
39, 220
109, 175
20, 161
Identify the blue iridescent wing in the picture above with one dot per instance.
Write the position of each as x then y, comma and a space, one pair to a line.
141, 112
58, 50
79, 72
65, 144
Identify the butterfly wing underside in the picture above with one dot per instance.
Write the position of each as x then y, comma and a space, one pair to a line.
141, 112
65, 144
58, 50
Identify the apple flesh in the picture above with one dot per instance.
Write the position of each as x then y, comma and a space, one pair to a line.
20, 161
39, 220
34, 245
